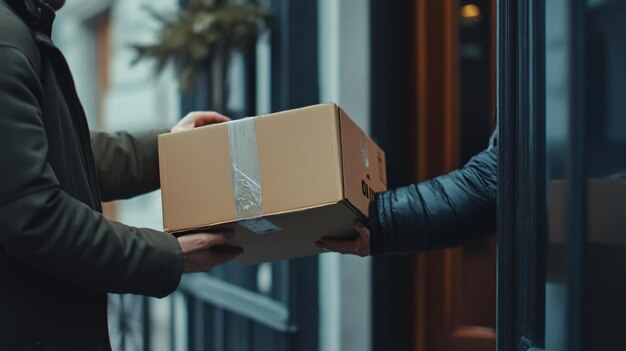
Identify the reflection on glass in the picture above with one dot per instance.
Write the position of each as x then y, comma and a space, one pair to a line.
605, 148
604, 141
557, 108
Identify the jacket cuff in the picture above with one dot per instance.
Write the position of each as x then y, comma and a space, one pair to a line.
373, 224
148, 139
171, 266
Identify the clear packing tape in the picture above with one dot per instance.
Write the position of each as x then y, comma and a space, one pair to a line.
246, 176
244, 158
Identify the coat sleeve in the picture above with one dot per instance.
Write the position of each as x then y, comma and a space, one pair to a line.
127, 164
437, 213
44, 227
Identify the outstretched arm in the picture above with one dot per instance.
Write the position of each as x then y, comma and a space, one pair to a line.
128, 163
442, 212
46, 228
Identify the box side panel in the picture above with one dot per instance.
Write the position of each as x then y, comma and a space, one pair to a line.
198, 188
299, 158
364, 167
163, 175
299, 231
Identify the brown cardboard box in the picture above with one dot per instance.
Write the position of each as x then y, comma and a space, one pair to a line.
316, 173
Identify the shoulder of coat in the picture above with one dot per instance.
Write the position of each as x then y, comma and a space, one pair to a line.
18, 35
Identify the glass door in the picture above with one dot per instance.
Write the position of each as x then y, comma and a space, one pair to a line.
562, 229
586, 182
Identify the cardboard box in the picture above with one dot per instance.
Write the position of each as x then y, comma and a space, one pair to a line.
310, 173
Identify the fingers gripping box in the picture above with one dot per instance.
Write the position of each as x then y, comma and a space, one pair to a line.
281, 181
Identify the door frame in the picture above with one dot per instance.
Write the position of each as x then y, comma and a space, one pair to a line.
393, 125
521, 224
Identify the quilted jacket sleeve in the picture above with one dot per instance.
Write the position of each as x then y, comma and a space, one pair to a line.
437, 213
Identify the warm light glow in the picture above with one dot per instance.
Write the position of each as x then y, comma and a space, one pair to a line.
470, 12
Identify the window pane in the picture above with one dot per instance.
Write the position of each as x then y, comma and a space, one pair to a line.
605, 155
596, 151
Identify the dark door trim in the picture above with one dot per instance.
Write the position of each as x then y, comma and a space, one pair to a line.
392, 110
521, 187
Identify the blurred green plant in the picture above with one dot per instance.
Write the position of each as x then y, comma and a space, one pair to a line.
202, 30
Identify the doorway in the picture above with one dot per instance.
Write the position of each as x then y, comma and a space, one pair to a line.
433, 75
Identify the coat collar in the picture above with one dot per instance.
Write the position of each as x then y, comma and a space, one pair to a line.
35, 13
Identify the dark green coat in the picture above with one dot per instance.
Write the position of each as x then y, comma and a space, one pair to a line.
58, 255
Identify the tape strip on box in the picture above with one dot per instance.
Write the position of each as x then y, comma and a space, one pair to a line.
246, 176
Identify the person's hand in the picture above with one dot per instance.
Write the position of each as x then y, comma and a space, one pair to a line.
359, 246
198, 119
197, 253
